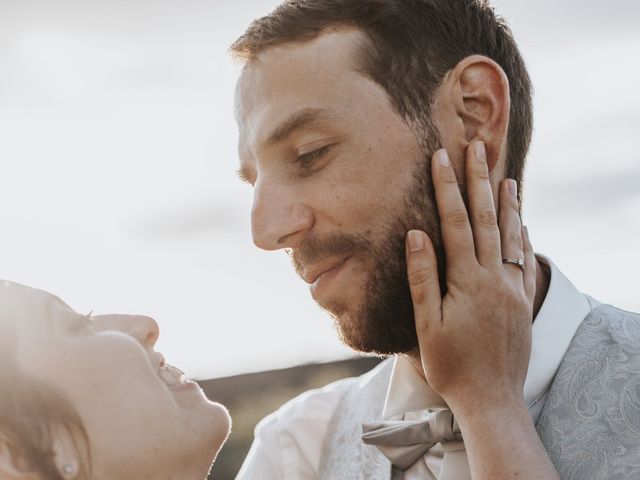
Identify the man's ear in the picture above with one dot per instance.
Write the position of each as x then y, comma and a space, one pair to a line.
12, 465
476, 97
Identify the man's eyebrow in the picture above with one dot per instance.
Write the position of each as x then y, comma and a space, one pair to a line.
300, 119
296, 121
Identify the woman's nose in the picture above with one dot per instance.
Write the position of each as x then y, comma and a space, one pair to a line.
142, 328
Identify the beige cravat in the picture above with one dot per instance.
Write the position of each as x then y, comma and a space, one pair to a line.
406, 442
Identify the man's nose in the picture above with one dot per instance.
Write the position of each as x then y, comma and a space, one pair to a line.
278, 218
142, 328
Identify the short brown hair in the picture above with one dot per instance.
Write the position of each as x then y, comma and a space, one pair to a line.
412, 45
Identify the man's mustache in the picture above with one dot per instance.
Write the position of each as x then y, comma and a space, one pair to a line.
313, 249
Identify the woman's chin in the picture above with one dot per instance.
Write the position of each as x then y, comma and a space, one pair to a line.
219, 428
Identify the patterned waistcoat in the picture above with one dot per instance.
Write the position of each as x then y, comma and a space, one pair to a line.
590, 423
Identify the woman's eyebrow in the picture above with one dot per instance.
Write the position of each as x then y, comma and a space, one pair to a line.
55, 303
61, 303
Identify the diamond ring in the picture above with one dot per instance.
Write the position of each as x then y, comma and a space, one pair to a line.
515, 261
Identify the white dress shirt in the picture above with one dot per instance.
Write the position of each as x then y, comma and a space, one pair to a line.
288, 443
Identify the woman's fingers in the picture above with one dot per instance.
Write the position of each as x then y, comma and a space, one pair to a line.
511, 229
475, 237
422, 272
457, 236
482, 208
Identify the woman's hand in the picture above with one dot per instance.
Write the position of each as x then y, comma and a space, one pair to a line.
475, 342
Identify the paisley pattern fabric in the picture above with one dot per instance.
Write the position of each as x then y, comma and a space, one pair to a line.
345, 456
590, 424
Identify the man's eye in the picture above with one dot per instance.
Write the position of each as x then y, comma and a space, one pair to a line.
306, 160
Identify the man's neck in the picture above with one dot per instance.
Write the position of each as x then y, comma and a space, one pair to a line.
543, 279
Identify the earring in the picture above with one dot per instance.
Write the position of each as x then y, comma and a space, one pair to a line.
69, 470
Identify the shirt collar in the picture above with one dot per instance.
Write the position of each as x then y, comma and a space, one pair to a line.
561, 314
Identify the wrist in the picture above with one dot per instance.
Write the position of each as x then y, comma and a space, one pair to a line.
498, 417
489, 408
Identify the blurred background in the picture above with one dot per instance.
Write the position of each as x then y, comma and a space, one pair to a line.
118, 189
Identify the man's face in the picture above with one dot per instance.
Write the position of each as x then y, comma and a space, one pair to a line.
339, 177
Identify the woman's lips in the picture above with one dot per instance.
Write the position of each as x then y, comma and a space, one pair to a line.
173, 377
185, 386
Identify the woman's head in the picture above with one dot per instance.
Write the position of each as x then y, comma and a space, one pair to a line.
93, 391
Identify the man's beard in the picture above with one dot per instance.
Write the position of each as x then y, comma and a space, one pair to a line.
384, 322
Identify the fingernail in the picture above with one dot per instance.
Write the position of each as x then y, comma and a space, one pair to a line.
513, 187
525, 229
416, 241
443, 157
481, 154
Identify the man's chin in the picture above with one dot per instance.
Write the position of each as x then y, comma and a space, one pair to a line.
378, 337
348, 325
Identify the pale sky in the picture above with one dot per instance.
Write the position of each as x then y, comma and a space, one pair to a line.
118, 155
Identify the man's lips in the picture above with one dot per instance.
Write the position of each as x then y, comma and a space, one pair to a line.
313, 273
323, 281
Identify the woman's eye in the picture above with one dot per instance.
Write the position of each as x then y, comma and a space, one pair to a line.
306, 160
82, 323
